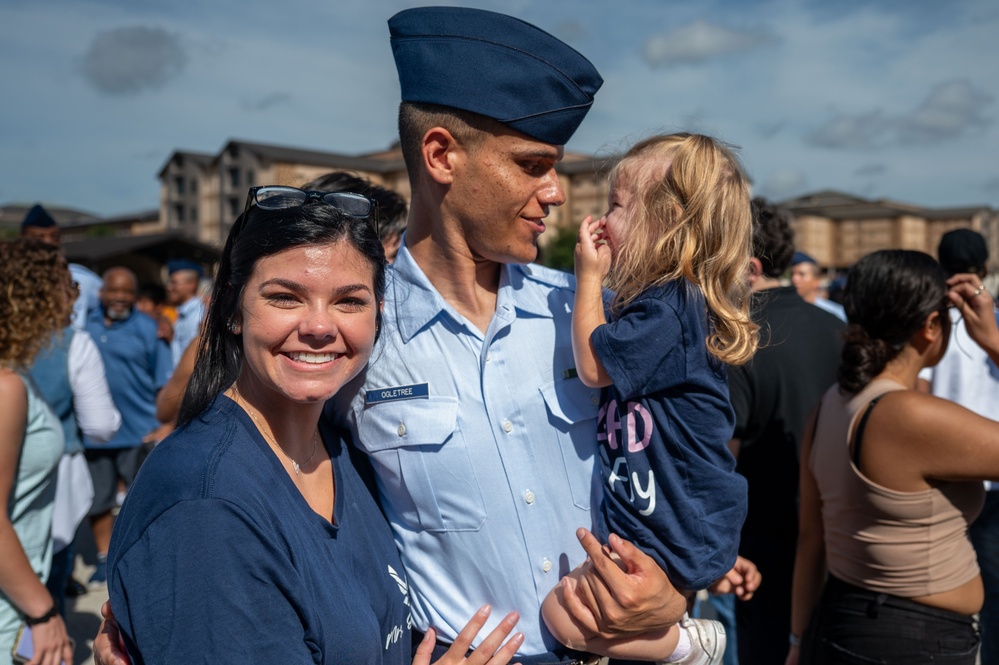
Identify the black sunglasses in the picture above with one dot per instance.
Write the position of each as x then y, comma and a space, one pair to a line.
279, 197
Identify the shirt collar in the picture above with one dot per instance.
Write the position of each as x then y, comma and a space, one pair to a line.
190, 305
417, 302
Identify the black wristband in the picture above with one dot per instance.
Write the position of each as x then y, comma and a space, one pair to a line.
34, 621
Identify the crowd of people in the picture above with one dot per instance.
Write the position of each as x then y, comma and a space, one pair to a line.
319, 457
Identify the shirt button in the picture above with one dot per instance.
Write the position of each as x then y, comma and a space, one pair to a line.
402, 429
489, 357
546, 565
529, 497
507, 426
595, 400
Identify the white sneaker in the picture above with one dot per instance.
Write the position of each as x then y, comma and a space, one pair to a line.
707, 642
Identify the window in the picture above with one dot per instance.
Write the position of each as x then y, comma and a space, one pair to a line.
235, 206
178, 184
178, 213
194, 185
234, 176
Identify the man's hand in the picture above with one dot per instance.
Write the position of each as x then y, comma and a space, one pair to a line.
108, 648
631, 595
743, 580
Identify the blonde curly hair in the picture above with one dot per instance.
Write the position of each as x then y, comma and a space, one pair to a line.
36, 297
690, 218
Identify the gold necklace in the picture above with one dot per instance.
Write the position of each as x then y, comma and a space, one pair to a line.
294, 464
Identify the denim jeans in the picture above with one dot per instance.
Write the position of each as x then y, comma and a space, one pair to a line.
984, 533
854, 626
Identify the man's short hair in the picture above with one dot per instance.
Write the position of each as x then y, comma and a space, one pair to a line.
963, 250
773, 239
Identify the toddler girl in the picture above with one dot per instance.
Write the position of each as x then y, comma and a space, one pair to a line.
675, 242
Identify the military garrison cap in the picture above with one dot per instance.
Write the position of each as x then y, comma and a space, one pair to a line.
494, 65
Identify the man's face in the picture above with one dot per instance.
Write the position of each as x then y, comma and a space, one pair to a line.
48, 234
806, 279
181, 286
118, 295
500, 194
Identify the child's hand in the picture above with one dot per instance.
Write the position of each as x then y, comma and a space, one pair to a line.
593, 256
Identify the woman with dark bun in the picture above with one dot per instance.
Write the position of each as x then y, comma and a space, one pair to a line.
891, 478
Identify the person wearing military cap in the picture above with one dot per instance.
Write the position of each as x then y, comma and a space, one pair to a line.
482, 436
182, 294
38, 223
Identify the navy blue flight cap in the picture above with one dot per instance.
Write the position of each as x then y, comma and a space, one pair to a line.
38, 217
494, 65
184, 264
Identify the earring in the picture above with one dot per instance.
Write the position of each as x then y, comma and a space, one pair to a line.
234, 328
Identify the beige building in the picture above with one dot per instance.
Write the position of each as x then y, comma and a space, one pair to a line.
837, 229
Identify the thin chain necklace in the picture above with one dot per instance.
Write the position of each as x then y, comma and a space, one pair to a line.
294, 464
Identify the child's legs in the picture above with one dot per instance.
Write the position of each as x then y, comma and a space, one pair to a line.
654, 645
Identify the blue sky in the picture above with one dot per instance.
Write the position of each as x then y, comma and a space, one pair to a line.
881, 99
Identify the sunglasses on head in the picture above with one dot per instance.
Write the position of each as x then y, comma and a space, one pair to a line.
279, 197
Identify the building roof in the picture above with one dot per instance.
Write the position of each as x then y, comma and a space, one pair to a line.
839, 205
159, 246
201, 159
382, 163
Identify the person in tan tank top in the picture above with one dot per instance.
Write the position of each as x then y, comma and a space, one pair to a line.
891, 477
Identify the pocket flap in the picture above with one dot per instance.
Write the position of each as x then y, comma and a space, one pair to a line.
413, 422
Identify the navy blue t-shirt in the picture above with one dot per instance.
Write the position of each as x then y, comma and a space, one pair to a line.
670, 484
216, 556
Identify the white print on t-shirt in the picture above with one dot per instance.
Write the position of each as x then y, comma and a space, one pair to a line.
623, 434
398, 631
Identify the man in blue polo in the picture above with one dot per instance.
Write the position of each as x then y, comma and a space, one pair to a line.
137, 362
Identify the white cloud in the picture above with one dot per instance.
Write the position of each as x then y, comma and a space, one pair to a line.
700, 41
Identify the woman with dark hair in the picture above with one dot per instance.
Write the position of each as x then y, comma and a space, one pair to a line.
252, 534
36, 299
891, 478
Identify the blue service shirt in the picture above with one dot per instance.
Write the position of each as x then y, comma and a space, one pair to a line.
186, 327
89, 297
484, 446
137, 364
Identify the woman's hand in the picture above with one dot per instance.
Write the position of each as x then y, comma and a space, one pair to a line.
492, 650
592, 255
51, 643
792, 655
108, 649
973, 300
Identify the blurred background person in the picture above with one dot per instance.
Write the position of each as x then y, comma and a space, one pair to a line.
891, 479
807, 277
36, 299
182, 293
151, 301
772, 396
69, 374
39, 224
968, 376
139, 362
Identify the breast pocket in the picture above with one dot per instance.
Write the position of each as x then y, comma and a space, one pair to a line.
423, 463
572, 411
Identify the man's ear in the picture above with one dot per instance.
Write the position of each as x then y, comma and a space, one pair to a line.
439, 150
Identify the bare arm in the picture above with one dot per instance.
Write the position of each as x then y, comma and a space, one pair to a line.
810, 559
18, 580
592, 264
172, 394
